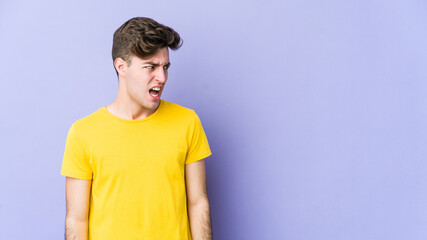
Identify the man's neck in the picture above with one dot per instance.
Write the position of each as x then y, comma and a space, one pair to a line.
130, 111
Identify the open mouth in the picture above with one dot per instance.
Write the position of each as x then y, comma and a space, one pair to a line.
154, 91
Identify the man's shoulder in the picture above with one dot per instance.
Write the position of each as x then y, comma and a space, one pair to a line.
89, 120
177, 109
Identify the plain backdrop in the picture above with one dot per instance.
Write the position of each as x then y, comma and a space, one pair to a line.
315, 111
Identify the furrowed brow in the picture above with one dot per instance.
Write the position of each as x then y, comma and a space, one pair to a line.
156, 64
151, 63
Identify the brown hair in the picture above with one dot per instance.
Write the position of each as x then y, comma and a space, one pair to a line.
142, 37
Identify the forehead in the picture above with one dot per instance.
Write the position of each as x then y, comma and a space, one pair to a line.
160, 57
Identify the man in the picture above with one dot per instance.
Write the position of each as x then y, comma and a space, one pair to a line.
135, 169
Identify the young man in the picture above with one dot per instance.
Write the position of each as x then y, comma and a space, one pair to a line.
135, 169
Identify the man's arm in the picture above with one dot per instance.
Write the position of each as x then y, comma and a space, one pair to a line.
77, 197
197, 201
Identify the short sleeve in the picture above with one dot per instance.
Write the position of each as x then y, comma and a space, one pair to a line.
198, 144
75, 163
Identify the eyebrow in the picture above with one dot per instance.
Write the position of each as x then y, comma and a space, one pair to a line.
156, 64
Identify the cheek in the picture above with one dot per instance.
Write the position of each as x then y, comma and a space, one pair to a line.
137, 86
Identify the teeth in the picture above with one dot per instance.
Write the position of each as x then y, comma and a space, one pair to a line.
154, 94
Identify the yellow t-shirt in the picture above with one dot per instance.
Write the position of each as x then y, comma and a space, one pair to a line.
137, 171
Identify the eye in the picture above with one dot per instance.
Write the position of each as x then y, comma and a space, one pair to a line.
165, 67
149, 67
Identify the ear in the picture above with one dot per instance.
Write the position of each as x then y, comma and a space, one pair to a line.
121, 66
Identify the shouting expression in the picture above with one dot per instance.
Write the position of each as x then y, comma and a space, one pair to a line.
145, 78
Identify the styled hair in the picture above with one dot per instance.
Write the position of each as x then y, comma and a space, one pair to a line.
142, 37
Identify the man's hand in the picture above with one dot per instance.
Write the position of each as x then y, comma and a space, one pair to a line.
197, 201
77, 197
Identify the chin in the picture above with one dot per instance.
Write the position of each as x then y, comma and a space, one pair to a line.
151, 106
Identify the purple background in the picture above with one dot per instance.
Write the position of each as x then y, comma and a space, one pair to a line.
315, 111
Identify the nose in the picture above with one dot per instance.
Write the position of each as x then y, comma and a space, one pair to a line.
161, 75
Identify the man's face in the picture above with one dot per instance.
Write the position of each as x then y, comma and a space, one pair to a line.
146, 78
